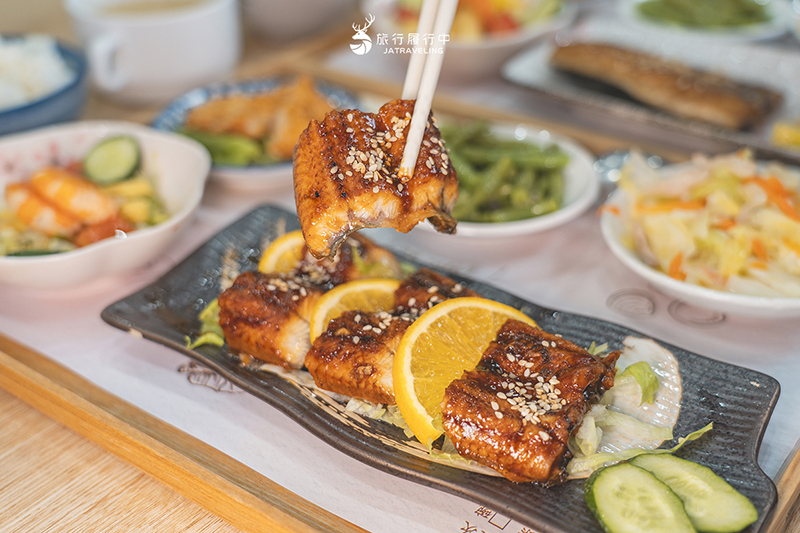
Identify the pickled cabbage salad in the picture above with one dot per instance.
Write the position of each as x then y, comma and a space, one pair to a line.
727, 222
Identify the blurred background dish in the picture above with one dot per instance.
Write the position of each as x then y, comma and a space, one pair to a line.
577, 190
178, 167
144, 52
289, 20
42, 82
722, 20
252, 134
482, 38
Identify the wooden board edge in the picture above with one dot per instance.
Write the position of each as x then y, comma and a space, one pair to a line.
237, 494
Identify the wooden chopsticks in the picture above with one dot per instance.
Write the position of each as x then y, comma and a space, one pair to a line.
422, 75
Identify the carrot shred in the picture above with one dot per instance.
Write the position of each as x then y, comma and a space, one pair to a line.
758, 265
777, 194
609, 208
671, 205
725, 224
759, 250
792, 245
675, 267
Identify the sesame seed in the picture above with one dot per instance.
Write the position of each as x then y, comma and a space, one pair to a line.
495, 405
498, 414
356, 339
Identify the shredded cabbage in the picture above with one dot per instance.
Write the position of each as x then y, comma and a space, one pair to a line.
726, 223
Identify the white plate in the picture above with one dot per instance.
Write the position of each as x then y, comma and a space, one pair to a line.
612, 227
779, 10
254, 177
179, 165
581, 186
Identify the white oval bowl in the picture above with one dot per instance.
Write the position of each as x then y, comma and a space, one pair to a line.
178, 165
581, 187
474, 60
612, 228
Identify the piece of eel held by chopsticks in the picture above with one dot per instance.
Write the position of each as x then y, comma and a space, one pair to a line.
347, 177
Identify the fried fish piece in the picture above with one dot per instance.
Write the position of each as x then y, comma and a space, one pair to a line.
346, 177
266, 316
354, 355
276, 117
516, 411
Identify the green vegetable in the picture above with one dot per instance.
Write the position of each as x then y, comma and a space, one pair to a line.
230, 149
645, 377
712, 504
113, 159
590, 463
210, 330
502, 180
30, 253
628, 499
705, 13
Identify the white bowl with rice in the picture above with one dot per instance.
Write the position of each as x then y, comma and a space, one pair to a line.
42, 82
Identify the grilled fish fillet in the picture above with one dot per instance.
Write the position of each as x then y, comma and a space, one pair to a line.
668, 85
425, 288
516, 411
266, 316
346, 177
354, 355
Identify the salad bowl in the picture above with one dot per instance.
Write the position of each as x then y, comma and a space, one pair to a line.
732, 299
179, 167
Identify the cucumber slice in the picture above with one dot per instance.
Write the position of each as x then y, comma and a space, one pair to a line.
711, 503
628, 499
113, 159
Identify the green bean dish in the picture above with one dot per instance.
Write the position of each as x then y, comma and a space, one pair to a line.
503, 179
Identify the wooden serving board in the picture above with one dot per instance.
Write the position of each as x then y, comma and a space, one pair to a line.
212, 480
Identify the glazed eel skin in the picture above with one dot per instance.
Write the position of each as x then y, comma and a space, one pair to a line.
516, 411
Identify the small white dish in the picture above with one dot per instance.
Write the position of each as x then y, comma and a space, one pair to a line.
779, 10
272, 177
612, 227
581, 187
179, 165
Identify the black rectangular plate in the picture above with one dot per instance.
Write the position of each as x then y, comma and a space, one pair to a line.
737, 400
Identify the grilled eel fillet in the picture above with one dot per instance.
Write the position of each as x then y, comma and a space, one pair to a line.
670, 86
516, 411
346, 177
354, 355
267, 315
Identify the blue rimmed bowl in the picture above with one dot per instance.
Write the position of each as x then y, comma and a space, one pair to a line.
267, 177
64, 105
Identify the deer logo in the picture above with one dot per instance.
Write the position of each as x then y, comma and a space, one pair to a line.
364, 41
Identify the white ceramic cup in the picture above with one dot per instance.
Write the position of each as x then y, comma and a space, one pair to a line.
148, 51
